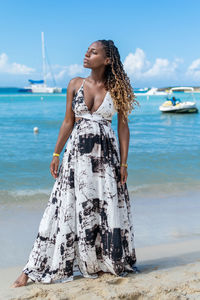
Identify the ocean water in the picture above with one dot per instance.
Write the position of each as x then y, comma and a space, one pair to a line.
163, 167
164, 149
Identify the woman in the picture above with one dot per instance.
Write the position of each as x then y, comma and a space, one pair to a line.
87, 222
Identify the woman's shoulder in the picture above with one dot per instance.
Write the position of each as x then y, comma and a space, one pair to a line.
75, 81
74, 84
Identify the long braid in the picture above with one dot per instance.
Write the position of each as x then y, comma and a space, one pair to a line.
117, 82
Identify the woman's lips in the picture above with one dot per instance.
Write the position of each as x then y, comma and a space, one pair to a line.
85, 61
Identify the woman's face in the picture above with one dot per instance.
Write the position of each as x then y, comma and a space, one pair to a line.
95, 56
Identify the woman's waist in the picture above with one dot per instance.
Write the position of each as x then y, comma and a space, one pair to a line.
92, 118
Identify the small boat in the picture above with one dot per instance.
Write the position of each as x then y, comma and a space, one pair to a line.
149, 92
40, 86
141, 90
185, 107
154, 91
175, 105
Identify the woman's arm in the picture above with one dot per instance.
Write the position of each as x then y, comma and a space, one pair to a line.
66, 127
124, 136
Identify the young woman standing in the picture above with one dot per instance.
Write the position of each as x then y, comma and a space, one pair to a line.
87, 222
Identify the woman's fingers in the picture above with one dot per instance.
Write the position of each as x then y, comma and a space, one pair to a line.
54, 169
124, 175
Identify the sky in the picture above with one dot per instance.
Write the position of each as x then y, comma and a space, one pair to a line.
158, 41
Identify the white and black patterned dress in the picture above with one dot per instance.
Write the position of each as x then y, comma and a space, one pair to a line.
87, 223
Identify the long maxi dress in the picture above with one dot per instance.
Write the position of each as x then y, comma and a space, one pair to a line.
87, 222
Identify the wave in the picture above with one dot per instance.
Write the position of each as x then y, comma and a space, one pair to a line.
145, 191
164, 190
24, 196
180, 234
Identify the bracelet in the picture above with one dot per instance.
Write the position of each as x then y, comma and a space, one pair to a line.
124, 165
56, 154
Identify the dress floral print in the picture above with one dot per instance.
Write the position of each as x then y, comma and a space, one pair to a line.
87, 223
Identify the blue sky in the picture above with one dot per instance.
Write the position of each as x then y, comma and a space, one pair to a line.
159, 43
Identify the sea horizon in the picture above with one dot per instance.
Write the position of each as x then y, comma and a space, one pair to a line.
16, 89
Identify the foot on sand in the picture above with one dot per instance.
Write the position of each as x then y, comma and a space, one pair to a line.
135, 270
20, 281
91, 276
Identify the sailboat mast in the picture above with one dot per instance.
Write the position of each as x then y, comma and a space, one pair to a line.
43, 59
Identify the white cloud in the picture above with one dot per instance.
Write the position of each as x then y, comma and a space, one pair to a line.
12, 68
75, 69
162, 67
138, 67
57, 76
61, 72
193, 70
60, 75
136, 62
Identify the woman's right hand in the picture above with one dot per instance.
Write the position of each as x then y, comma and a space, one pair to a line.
54, 166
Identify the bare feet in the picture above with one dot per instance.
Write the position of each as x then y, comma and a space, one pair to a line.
20, 281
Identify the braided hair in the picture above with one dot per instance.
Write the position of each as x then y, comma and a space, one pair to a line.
117, 82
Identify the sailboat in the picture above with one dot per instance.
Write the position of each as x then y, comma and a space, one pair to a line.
40, 86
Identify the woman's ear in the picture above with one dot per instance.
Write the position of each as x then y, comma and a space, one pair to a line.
108, 61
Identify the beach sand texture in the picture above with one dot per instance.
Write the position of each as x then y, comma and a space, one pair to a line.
168, 272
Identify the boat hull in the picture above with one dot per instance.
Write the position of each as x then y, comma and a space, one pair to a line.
181, 111
37, 89
180, 108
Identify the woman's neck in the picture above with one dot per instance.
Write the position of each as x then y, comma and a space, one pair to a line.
97, 75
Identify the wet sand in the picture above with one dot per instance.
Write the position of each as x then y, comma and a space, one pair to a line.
168, 272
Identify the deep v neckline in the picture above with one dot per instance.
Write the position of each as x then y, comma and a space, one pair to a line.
86, 104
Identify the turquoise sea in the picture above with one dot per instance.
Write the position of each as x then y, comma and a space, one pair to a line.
163, 155
163, 167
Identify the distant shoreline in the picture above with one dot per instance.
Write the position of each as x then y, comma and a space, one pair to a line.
11, 89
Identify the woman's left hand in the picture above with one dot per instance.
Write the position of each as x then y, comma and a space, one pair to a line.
124, 174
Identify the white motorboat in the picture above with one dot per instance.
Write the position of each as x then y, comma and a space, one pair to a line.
177, 106
185, 107
40, 86
149, 92
141, 91
154, 91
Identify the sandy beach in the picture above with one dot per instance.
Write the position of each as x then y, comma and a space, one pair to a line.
168, 271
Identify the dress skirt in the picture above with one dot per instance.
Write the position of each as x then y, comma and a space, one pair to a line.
87, 223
